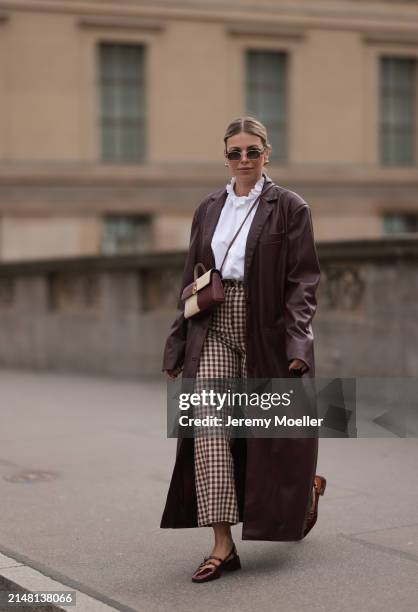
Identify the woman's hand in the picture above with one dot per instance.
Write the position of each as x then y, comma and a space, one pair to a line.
173, 373
297, 366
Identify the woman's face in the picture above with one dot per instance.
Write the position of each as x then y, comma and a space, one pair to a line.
246, 170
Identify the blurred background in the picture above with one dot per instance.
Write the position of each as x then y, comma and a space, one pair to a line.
112, 116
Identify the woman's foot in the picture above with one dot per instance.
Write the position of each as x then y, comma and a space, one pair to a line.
221, 554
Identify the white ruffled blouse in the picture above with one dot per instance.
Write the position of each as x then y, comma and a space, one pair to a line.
231, 217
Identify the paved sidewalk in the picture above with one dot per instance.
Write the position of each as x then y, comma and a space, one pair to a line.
84, 471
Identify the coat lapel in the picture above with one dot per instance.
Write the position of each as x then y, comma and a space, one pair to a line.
264, 208
209, 225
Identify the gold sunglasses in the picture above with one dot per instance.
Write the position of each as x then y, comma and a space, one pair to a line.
236, 154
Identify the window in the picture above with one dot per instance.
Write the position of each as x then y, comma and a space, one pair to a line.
126, 234
266, 96
122, 102
394, 223
398, 110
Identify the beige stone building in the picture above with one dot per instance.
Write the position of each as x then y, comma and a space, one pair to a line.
112, 115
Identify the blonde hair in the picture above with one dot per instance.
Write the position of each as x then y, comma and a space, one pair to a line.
250, 125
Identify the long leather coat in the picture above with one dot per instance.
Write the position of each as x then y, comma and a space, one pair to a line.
274, 476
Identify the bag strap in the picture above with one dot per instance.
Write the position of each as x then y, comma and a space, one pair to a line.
196, 269
240, 227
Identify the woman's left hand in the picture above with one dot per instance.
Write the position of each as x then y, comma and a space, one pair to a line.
298, 364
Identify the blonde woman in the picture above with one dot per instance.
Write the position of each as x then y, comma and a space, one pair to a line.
262, 330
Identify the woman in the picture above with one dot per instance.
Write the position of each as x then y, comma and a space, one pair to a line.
262, 330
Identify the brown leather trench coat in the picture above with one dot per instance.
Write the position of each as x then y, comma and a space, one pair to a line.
274, 476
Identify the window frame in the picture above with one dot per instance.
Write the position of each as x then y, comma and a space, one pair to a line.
90, 137
107, 217
375, 49
284, 160
380, 136
293, 44
392, 217
121, 158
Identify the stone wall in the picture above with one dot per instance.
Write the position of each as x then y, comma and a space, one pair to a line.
110, 315
367, 318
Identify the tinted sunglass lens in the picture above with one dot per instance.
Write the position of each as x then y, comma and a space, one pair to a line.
234, 155
253, 154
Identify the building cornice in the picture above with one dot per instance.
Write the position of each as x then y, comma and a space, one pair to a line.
391, 37
121, 23
274, 31
97, 189
195, 174
341, 15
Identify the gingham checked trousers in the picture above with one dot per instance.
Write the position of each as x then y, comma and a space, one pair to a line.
223, 356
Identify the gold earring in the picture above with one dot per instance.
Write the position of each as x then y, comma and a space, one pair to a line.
266, 162
226, 164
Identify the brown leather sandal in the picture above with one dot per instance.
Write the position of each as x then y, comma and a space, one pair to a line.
319, 488
214, 572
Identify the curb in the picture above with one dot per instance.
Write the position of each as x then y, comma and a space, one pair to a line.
9, 586
18, 577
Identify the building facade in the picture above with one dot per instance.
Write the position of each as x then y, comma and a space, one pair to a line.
112, 116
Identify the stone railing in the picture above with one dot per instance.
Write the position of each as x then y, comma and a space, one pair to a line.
110, 315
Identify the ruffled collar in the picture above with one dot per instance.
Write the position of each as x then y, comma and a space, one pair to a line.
255, 191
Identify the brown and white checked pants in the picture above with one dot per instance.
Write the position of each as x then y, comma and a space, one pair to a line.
223, 357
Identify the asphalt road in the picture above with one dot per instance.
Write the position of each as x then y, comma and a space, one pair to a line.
85, 466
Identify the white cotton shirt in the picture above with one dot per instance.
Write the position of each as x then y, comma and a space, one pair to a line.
231, 217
